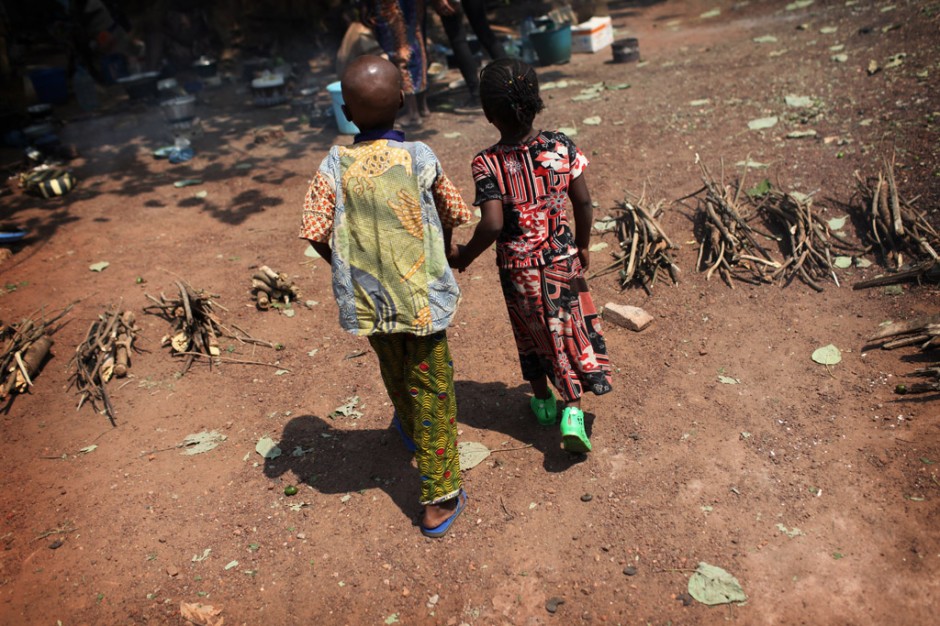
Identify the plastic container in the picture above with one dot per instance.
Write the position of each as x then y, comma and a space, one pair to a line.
345, 126
626, 50
552, 46
526, 52
51, 84
85, 91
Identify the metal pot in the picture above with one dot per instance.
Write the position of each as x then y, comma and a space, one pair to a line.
206, 67
179, 109
140, 86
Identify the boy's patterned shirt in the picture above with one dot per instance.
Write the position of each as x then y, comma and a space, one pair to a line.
382, 206
531, 180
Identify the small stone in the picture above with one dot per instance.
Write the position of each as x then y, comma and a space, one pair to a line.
552, 604
629, 570
55, 545
405, 593
587, 497
685, 598
631, 317
172, 571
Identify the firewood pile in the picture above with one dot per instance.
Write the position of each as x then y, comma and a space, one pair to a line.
923, 332
104, 353
645, 247
897, 227
270, 288
25, 347
808, 242
727, 242
196, 326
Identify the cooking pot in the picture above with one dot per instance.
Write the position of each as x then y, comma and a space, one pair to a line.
179, 109
140, 86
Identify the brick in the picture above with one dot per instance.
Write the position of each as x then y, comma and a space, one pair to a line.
632, 317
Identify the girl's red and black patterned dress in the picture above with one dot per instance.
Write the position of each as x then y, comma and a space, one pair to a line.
554, 321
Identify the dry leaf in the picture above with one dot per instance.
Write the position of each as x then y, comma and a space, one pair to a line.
201, 614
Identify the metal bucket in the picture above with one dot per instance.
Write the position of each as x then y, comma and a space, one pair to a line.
179, 109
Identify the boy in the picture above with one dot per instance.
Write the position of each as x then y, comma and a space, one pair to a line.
381, 212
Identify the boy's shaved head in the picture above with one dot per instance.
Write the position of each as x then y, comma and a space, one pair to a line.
372, 92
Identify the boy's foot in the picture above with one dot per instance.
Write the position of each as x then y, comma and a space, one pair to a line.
442, 515
545, 409
573, 437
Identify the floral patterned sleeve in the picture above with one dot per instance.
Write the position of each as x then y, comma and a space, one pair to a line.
487, 186
451, 208
576, 159
319, 204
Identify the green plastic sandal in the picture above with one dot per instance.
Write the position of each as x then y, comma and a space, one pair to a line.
573, 437
545, 409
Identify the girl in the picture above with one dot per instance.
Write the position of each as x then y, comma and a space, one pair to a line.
522, 187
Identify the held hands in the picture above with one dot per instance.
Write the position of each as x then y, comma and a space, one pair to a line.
456, 257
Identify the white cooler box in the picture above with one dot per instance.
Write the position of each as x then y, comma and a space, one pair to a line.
595, 34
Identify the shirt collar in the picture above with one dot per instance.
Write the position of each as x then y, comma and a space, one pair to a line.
372, 135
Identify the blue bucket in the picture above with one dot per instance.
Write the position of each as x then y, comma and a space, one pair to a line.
51, 84
552, 46
345, 126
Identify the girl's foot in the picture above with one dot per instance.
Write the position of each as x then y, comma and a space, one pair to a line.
545, 409
573, 437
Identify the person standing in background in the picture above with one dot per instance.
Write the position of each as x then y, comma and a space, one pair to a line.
452, 13
399, 27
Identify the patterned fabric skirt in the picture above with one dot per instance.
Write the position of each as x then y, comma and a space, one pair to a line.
399, 29
557, 329
419, 377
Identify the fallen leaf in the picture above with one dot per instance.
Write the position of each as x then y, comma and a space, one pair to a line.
313, 352
597, 247
88, 449
201, 442
840, 58
205, 555
827, 355
472, 454
895, 60
752, 164
594, 120
201, 194
762, 123
267, 448
567, 130
99, 266
860, 262
452, 135
712, 13
187, 182
842, 262
873, 67
828, 30
801, 134
311, 252
798, 101
231, 565
347, 409
837, 223
201, 614
392, 619
712, 585
281, 372
765, 39
799, 4
760, 189
789, 532
727, 380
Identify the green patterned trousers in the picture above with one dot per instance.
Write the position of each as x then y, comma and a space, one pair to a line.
419, 377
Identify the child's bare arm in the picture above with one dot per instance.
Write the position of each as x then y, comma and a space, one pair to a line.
583, 217
486, 232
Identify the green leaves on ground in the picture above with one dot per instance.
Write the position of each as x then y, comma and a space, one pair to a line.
347, 409
759, 190
827, 355
762, 123
267, 448
472, 454
201, 442
712, 585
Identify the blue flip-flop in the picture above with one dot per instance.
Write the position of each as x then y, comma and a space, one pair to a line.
441, 529
408, 441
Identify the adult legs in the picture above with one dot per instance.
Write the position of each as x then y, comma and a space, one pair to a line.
466, 62
476, 15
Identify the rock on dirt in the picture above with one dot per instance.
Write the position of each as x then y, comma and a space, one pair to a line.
632, 317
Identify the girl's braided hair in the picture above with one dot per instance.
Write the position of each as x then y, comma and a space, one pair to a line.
509, 90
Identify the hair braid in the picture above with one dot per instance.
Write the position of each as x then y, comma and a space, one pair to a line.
509, 89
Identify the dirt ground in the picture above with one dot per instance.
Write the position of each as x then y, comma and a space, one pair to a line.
816, 487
